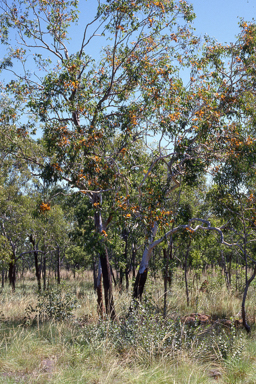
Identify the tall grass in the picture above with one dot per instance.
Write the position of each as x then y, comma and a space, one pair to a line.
142, 347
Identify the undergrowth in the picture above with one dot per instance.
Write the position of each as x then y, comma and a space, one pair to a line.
57, 337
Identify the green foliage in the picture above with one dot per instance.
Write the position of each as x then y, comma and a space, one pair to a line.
53, 304
5, 250
156, 336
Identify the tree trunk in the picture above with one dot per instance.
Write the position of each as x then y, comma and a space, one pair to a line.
38, 275
165, 280
107, 283
139, 284
112, 274
121, 274
100, 306
230, 270
12, 274
143, 271
185, 272
58, 264
3, 278
248, 282
44, 271
106, 271
127, 271
133, 266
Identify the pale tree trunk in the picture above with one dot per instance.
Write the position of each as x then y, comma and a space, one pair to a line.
141, 277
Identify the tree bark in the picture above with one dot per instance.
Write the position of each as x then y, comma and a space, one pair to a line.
248, 282
58, 264
133, 261
44, 271
38, 275
12, 274
139, 284
143, 271
165, 280
107, 283
106, 271
185, 272
100, 306
127, 271
121, 274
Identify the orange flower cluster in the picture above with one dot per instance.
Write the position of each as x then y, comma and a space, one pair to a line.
44, 207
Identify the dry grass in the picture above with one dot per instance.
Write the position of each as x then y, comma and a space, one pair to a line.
61, 352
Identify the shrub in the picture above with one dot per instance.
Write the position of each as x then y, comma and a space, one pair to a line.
53, 304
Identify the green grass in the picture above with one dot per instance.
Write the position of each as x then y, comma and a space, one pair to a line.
142, 348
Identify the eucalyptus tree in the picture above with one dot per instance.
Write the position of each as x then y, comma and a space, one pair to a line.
134, 91
82, 103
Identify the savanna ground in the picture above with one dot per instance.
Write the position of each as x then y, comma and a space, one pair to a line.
40, 347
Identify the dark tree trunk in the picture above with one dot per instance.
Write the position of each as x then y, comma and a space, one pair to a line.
139, 284
38, 275
100, 306
121, 274
107, 283
127, 279
58, 264
106, 271
44, 271
170, 272
12, 275
3, 272
133, 261
248, 282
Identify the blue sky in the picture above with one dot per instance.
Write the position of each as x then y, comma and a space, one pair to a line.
216, 18
219, 18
